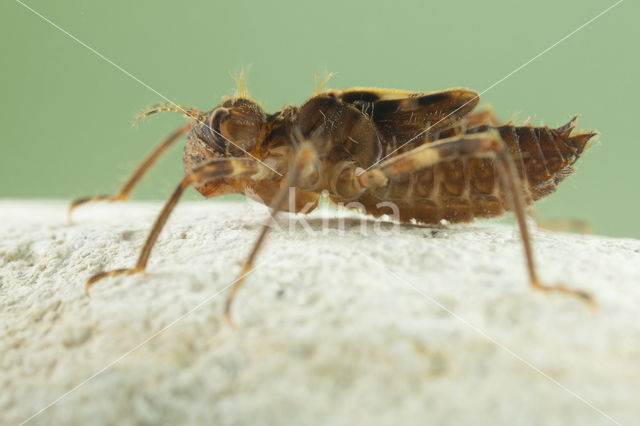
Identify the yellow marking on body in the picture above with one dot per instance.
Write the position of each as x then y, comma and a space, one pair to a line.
383, 94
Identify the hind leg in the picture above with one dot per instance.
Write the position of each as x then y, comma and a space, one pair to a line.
484, 117
478, 145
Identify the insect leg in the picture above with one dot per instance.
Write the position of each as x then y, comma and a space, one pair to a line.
488, 144
127, 188
484, 117
217, 168
305, 155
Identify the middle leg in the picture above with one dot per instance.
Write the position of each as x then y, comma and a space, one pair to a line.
304, 157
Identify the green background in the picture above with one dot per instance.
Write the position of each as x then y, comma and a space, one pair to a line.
66, 114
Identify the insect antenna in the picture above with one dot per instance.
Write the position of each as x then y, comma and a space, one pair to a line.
154, 109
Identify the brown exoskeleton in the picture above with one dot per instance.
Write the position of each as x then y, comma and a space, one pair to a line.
426, 152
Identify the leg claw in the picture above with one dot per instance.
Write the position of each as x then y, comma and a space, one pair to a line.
77, 203
106, 274
586, 297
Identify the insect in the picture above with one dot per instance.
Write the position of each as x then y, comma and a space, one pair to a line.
429, 153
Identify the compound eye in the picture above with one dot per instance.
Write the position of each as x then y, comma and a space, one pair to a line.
218, 115
241, 125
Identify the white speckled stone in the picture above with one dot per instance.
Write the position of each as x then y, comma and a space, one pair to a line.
421, 326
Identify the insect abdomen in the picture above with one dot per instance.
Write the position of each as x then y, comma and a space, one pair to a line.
461, 190
543, 156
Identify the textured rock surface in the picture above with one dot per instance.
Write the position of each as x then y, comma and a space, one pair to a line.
419, 326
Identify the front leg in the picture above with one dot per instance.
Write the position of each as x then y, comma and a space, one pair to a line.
133, 181
214, 169
488, 144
